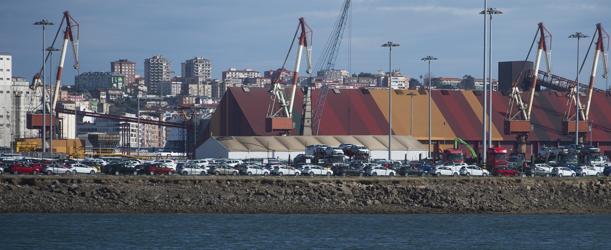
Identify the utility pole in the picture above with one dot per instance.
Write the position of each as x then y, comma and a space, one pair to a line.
389, 45
428, 59
43, 23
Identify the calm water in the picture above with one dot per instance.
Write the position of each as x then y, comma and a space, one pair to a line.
196, 231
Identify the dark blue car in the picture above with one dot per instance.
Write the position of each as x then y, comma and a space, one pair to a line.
607, 171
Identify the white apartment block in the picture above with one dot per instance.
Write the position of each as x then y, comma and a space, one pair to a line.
16, 100
197, 70
234, 73
156, 70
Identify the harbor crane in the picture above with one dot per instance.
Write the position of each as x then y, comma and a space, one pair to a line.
279, 116
519, 113
574, 98
71, 35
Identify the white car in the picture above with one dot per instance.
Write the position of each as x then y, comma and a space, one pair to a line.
542, 169
168, 163
563, 171
313, 170
378, 170
588, 171
473, 170
455, 167
57, 168
78, 168
201, 162
232, 163
285, 170
193, 169
254, 170
444, 171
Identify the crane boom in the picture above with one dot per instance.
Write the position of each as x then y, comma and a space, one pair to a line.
524, 109
600, 49
570, 118
303, 43
280, 119
68, 37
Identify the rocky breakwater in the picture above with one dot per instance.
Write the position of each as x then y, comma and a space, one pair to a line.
303, 195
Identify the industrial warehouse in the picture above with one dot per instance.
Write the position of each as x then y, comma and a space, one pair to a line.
455, 113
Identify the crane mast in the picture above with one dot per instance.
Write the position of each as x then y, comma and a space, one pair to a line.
572, 114
519, 114
281, 118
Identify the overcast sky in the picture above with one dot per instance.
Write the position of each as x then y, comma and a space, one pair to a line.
256, 33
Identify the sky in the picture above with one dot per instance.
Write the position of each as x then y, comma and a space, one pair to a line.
256, 33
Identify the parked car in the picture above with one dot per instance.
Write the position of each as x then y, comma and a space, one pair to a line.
253, 169
334, 151
473, 170
415, 169
168, 163
57, 168
23, 167
378, 170
505, 171
588, 171
222, 169
563, 171
95, 161
342, 169
444, 171
202, 162
156, 169
542, 169
313, 170
607, 171
193, 169
77, 168
231, 163
285, 170
121, 168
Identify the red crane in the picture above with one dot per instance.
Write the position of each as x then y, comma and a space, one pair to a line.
518, 119
281, 118
601, 36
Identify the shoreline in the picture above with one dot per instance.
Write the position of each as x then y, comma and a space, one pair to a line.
304, 195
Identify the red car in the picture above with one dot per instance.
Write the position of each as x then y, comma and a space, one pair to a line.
504, 171
25, 168
157, 169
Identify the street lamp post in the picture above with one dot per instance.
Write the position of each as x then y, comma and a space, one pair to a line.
389, 45
485, 104
578, 36
490, 12
43, 23
428, 59
52, 129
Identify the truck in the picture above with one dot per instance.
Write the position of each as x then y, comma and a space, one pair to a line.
453, 155
497, 162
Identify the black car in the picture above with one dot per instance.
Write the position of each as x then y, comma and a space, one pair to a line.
121, 168
341, 169
415, 169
